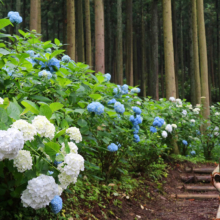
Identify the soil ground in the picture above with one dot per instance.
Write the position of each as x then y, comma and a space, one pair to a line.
156, 203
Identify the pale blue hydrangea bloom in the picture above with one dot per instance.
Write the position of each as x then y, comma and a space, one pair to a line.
30, 52
56, 204
45, 73
185, 142
193, 153
136, 138
107, 77
96, 107
112, 147
10, 72
158, 122
66, 59
48, 50
112, 101
135, 121
136, 110
136, 129
31, 61
135, 90
119, 108
153, 129
14, 17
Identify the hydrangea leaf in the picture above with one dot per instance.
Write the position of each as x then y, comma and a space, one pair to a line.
79, 110
52, 149
46, 111
60, 133
4, 22
13, 111
30, 106
56, 106
95, 96
82, 123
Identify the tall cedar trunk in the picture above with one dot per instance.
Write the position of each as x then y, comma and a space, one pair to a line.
218, 40
182, 52
34, 15
175, 39
129, 43
196, 53
99, 37
71, 47
24, 14
39, 17
203, 59
79, 32
64, 23
135, 55
47, 23
143, 49
119, 56
18, 9
169, 58
168, 50
88, 33
155, 88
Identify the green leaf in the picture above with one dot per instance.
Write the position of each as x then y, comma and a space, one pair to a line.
13, 111
4, 52
52, 149
56, 106
62, 132
46, 111
40, 98
63, 81
3, 115
30, 106
95, 96
56, 52
5, 103
4, 22
100, 78
64, 124
82, 123
56, 41
111, 113
79, 110
60, 158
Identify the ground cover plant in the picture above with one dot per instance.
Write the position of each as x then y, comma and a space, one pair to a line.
58, 117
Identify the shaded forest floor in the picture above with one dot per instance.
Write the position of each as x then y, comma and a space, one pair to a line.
152, 200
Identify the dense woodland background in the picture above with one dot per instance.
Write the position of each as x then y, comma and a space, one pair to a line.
133, 39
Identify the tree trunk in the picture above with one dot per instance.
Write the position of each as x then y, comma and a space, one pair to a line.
119, 56
196, 53
182, 52
88, 33
99, 37
34, 15
218, 40
79, 32
71, 47
155, 88
129, 43
39, 17
18, 9
168, 50
24, 14
203, 59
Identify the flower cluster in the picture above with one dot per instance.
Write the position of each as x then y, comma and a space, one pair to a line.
23, 161
184, 112
119, 108
120, 90
27, 129
164, 134
136, 121
196, 110
74, 134
107, 77
66, 59
56, 204
169, 128
45, 73
40, 191
113, 147
1, 101
43, 126
172, 99
96, 107
14, 17
11, 141
72, 146
135, 90
158, 122
153, 129
185, 142
51, 64
112, 101
136, 110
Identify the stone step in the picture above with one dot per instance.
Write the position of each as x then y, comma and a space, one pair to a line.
195, 179
199, 188
195, 196
200, 169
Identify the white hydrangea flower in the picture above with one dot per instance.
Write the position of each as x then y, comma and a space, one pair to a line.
138, 103
43, 126
161, 99
184, 112
64, 179
40, 191
28, 130
179, 101
196, 110
196, 139
189, 106
212, 106
72, 146
169, 128
216, 133
174, 125
164, 134
192, 120
11, 141
217, 113
1, 101
23, 161
172, 99
179, 106
216, 128
198, 105
74, 134
60, 190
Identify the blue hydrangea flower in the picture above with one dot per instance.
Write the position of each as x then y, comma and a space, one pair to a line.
107, 77
198, 132
50, 172
119, 145
31, 61
48, 50
127, 97
124, 89
30, 52
158, 122
193, 153
136, 138
112, 101
66, 59
137, 110
135, 121
136, 129
54, 62
14, 17
9, 72
45, 73
112, 147
135, 90
56, 204
153, 129
57, 162
117, 90
96, 107
185, 142
119, 108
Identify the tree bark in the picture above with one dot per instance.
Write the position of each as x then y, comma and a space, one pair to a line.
71, 47
79, 32
24, 14
88, 34
39, 17
18, 9
34, 15
99, 37
203, 59
129, 43
168, 50
119, 56
155, 85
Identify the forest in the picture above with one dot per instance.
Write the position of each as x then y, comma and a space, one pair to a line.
102, 101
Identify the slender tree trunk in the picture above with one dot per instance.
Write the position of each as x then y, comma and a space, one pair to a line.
196, 53
168, 50
24, 14
39, 17
176, 59
71, 48
129, 43
135, 55
79, 32
155, 94
18, 9
203, 59
218, 41
119, 56
99, 37
144, 61
88, 33
34, 15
